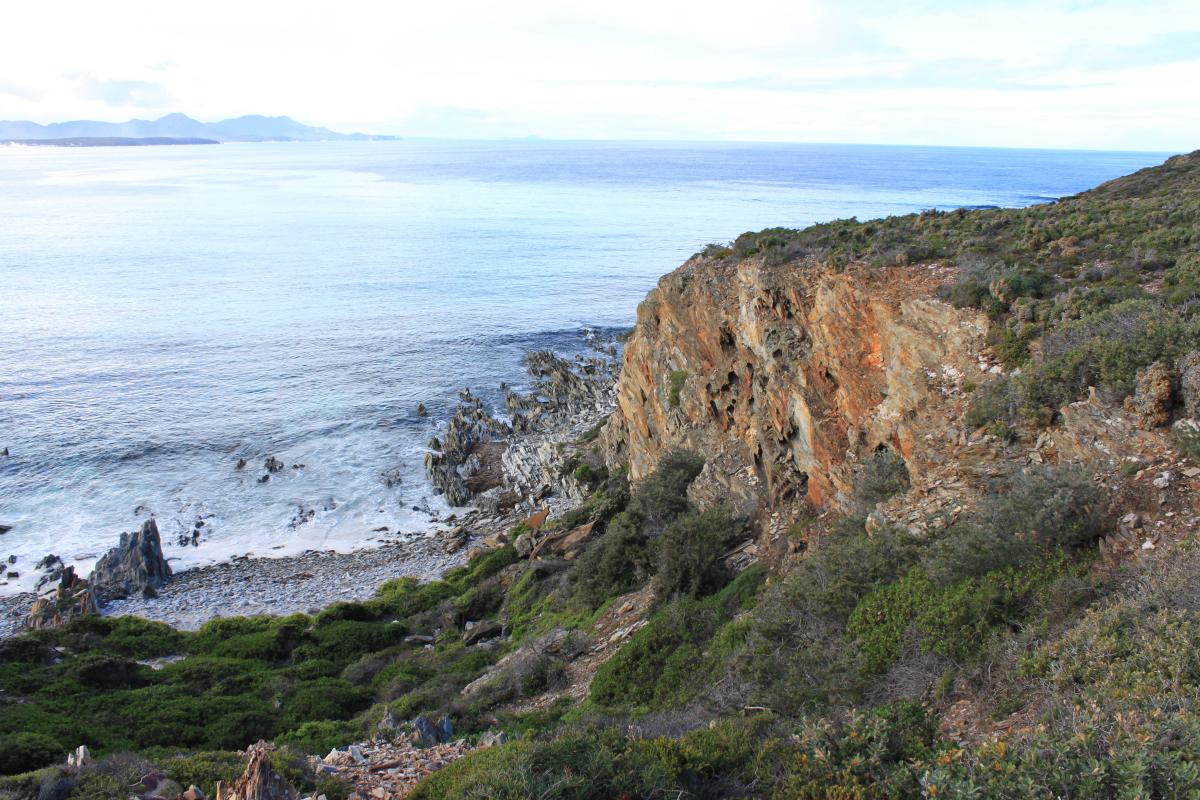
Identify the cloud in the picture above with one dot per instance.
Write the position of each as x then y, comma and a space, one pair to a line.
21, 92
121, 93
1015, 72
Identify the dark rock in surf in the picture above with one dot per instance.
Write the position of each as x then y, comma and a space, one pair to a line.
136, 563
273, 464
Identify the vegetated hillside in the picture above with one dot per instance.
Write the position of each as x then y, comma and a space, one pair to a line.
909, 554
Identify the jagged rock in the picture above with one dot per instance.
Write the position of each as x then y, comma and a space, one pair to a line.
5, 529
241, 464
51, 567
273, 464
564, 543
482, 631
72, 599
258, 782
392, 477
135, 564
466, 460
424, 733
193, 793
421, 410
82, 757
1153, 396
444, 729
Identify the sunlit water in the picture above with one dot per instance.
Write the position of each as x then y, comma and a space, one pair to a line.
167, 310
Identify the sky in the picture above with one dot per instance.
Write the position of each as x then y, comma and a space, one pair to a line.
1112, 74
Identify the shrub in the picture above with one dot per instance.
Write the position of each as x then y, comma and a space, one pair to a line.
1055, 505
662, 496
319, 737
879, 477
690, 552
616, 563
677, 379
668, 663
204, 768
22, 752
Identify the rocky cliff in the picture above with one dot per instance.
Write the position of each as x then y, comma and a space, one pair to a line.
785, 376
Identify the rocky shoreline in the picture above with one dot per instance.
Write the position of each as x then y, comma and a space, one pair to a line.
507, 472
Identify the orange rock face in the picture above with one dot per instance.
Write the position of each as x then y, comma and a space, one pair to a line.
790, 374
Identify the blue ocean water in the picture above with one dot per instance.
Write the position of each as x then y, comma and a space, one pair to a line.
167, 310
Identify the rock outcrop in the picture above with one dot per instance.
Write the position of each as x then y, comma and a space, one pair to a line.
258, 782
465, 461
785, 376
73, 598
135, 566
494, 465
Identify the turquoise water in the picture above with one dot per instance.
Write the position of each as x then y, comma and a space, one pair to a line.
165, 311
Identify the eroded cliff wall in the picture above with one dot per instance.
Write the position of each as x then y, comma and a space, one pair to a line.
785, 376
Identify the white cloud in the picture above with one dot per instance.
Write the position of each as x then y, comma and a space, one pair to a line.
1025, 72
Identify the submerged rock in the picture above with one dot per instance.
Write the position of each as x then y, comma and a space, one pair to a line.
135, 565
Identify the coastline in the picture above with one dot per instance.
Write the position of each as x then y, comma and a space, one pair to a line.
568, 398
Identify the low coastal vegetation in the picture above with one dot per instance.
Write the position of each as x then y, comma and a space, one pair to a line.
999, 651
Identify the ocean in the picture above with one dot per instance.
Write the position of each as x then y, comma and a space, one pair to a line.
165, 311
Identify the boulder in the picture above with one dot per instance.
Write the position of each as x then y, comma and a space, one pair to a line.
1153, 396
492, 739
258, 782
523, 545
424, 732
482, 631
273, 464
564, 542
135, 565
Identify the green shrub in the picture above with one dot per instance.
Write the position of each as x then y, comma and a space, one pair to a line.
318, 738
677, 379
662, 495
22, 752
204, 768
322, 699
880, 476
667, 663
616, 563
690, 551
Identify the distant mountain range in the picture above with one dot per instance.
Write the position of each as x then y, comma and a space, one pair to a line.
250, 128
